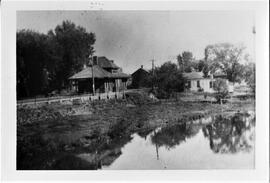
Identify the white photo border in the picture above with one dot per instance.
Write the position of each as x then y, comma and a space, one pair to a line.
8, 91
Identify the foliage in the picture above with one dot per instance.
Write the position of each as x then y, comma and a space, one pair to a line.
32, 63
168, 79
45, 61
203, 66
249, 75
74, 46
185, 61
225, 57
221, 88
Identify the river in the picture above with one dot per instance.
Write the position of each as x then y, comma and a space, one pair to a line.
217, 142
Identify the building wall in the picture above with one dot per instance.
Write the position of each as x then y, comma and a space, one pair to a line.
139, 78
203, 83
101, 85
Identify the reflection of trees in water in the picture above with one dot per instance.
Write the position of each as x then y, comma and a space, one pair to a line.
71, 162
231, 135
173, 135
103, 155
111, 151
145, 133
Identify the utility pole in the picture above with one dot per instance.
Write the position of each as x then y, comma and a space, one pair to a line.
153, 66
93, 79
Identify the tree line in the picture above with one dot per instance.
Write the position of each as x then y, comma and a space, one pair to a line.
225, 58
46, 61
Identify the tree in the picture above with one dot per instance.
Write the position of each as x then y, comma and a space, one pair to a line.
203, 66
73, 45
31, 63
46, 61
221, 88
185, 61
168, 79
225, 57
249, 75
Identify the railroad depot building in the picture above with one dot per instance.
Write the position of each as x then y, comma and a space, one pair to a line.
108, 77
196, 82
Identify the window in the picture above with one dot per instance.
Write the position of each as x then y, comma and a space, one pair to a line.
198, 84
211, 84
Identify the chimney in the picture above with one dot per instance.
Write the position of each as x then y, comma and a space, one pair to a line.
111, 61
141, 66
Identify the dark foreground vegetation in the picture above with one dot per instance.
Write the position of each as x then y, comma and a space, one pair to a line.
49, 135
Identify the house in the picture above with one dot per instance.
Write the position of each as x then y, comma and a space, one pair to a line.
139, 78
196, 82
108, 77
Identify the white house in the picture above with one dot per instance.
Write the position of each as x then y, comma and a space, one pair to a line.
196, 82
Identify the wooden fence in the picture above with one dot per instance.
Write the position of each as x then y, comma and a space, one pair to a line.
64, 99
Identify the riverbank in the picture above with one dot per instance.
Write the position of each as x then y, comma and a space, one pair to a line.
98, 126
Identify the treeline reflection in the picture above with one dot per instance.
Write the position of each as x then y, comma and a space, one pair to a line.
226, 134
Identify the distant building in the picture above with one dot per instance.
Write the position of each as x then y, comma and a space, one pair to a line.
139, 78
196, 82
107, 75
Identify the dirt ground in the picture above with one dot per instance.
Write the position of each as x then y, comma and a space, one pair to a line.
98, 126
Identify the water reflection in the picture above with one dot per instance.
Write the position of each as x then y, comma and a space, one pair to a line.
231, 134
174, 135
219, 142
103, 155
222, 141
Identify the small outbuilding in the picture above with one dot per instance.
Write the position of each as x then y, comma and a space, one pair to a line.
140, 78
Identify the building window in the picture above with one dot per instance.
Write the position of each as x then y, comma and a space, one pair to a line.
211, 84
198, 84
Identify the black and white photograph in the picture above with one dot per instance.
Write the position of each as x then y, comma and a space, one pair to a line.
135, 90
140, 89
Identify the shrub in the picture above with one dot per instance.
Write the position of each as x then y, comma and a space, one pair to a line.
168, 79
221, 88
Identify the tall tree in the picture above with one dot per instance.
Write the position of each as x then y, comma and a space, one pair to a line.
31, 63
46, 61
74, 45
225, 57
185, 61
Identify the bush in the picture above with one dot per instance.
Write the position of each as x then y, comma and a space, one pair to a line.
221, 88
168, 79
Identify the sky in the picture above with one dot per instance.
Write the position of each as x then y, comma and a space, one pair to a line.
134, 38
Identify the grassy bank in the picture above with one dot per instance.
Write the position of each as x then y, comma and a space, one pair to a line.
56, 132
